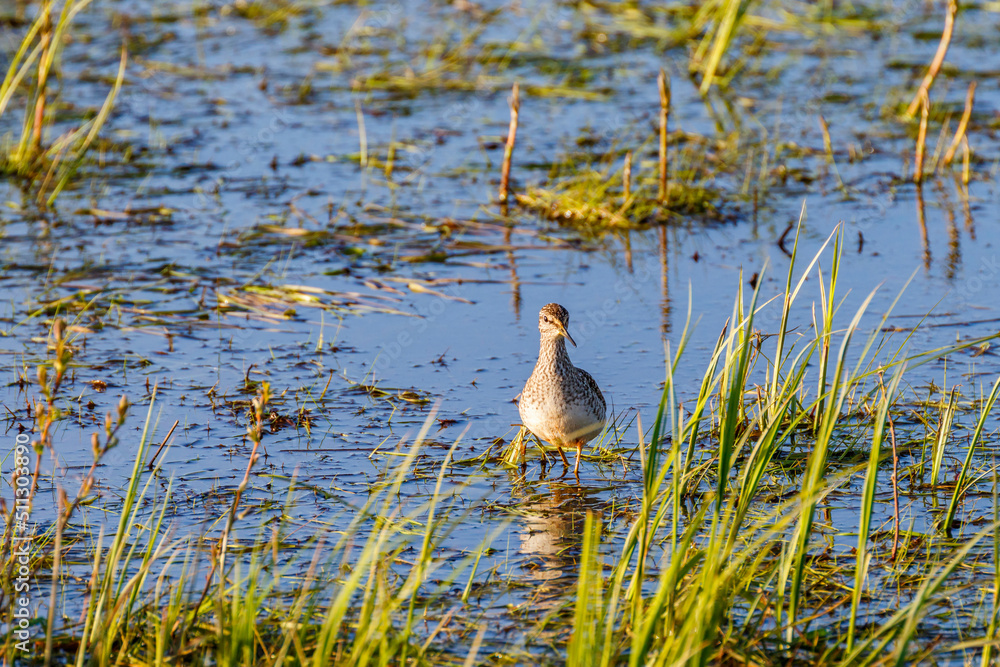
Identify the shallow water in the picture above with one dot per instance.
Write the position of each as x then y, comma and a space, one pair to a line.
246, 172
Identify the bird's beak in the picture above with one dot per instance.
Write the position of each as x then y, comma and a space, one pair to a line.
563, 331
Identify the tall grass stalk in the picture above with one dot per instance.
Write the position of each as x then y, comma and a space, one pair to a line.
868, 502
726, 15
824, 328
994, 595
963, 475
585, 645
943, 436
840, 386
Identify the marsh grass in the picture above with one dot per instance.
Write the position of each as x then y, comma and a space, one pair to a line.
744, 162
735, 581
279, 302
740, 583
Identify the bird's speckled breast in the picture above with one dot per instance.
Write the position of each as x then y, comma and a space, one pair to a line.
561, 403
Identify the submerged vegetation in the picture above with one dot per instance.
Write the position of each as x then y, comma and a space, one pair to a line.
806, 485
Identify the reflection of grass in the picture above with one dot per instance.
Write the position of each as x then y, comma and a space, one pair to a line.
281, 301
48, 168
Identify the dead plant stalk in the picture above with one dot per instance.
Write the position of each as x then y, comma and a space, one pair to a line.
918, 166
962, 125
508, 151
43, 76
935, 67
627, 179
664, 86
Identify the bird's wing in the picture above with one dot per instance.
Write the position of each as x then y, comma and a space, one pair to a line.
592, 386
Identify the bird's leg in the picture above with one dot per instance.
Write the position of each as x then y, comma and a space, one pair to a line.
559, 449
524, 443
579, 451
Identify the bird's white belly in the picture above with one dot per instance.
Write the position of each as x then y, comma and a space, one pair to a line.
560, 423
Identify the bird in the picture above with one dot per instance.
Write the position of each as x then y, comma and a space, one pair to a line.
560, 403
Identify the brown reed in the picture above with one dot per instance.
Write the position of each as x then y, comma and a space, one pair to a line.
508, 150
935, 67
663, 83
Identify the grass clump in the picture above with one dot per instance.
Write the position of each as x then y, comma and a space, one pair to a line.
46, 167
602, 194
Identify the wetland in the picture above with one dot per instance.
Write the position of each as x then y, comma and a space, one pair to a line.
265, 319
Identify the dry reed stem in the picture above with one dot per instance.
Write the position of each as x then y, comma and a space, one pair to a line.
627, 179
664, 86
827, 143
963, 124
918, 165
828, 149
162, 444
942, 50
246, 480
43, 77
256, 434
508, 151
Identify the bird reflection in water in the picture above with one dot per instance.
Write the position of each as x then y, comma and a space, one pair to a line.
552, 517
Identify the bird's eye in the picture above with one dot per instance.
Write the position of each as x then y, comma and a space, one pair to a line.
545, 319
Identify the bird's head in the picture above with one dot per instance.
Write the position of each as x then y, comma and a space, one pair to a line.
552, 322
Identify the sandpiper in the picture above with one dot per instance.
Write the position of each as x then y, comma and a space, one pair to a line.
560, 403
